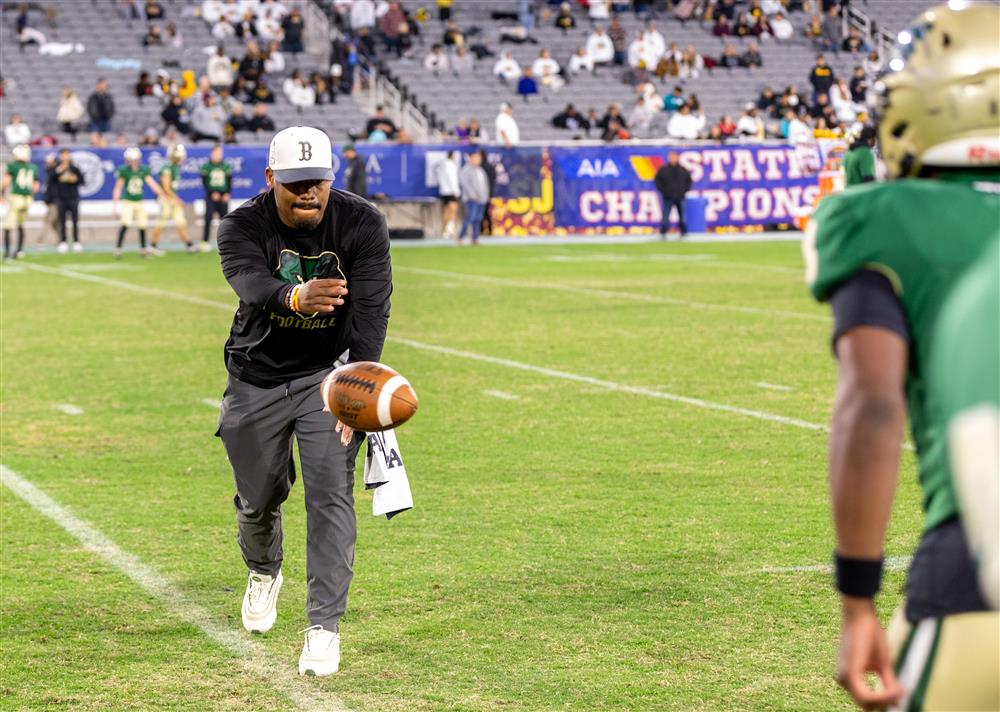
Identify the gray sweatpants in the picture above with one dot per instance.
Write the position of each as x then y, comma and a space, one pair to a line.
257, 425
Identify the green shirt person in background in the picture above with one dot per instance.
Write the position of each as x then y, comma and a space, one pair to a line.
217, 177
859, 161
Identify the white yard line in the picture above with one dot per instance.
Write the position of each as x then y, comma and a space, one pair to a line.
612, 294
772, 386
68, 408
892, 563
483, 358
212, 402
502, 395
282, 675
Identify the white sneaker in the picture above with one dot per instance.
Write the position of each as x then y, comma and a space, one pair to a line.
205, 247
19, 255
77, 247
260, 602
156, 252
321, 652
63, 248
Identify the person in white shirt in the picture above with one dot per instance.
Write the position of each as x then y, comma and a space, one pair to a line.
843, 106
690, 64
750, 124
462, 62
507, 130
581, 62
798, 130
771, 7
437, 60
600, 48
507, 68
684, 125
600, 10
449, 190
16, 132
211, 11
274, 62
272, 10
545, 64
223, 29
781, 28
362, 14
302, 95
654, 39
219, 69
639, 52
232, 11
641, 115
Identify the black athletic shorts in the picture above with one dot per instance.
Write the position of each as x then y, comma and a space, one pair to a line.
942, 580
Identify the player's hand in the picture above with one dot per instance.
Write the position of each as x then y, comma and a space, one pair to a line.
215, 196
346, 433
321, 296
864, 649
225, 197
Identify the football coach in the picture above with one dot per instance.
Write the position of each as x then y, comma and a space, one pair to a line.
310, 265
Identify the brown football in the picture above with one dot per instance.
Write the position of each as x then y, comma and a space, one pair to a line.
370, 397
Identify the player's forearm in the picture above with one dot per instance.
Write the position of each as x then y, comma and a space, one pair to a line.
864, 460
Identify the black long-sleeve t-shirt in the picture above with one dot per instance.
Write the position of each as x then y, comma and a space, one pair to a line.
262, 258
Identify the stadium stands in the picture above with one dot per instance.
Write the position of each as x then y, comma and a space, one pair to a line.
88, 39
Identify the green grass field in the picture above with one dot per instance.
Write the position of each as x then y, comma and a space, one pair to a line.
578, 544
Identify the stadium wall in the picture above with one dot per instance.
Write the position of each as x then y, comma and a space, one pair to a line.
548, 189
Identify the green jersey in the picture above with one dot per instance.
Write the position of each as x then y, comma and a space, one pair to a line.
216, 177
859, 165
23, 177
921, 234
172, 173
135, 181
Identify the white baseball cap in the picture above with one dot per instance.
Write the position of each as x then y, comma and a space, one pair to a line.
300, 153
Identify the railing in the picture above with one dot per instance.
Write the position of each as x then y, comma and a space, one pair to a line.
382, 92
880, 39
317, 30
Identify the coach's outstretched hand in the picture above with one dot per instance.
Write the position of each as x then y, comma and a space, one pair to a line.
321, 296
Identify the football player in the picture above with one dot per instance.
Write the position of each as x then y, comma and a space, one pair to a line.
171, 205
20, 181
217, 177
886, 255
133, 177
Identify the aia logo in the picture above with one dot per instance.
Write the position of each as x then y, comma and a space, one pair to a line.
307, 151
983, 154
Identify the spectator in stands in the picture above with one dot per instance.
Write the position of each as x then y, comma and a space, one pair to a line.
211, 11
153, 37
822, 109
97, 140
580, 62
101, 107
302, 95
236, 122
600, 47
294, 29
750, 124
506, 68
656, 42
795, 129
767, 102
565, 20
153, 10
761, 28
174, 38
449, 191
355, 172
821, 77
729, 58
390, 26
726, 126
437, 61
274, 61
752, 58
143, 87
843, 106
674, 100
721, 27
260, 122
642, 114
790, 98
637, 76
673, 181
70, 112
252, 65
544, 64
149, 138
453, 36
824, 129
16, 132
691, 64
381, 122
526, 85
640, 52
242, 91
219, 69
742, 27
599, 10
507, 131
246, 28
872, 64
223, 29
25, 33
832, 30
619, 40
161, 87
325, 93
288, 85
444, 10
854, 42
781, 28
612, 115
262, 93
814, 30
685, 125
474, 183
859, 86
175, 114
461, 61
362, 15
570, 119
